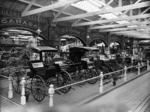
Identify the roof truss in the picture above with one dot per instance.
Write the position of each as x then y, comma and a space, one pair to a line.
49, 7
120, 25
113, 20
123, 29
117, 9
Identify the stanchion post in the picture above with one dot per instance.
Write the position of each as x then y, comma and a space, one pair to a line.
51, 95
132, 60
139, 68
23, 97
10, 91
101, 83
148, 65
125, 73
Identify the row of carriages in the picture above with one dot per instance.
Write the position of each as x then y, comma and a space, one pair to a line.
65, 72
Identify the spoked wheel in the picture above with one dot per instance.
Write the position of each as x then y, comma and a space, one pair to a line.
17, 82
92, 73
64, 79
106, 70
38, 88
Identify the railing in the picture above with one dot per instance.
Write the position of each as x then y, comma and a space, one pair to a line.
52, 90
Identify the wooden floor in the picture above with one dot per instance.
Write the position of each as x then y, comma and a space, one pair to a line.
133, 96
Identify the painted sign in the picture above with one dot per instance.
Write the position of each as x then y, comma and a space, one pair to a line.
18, 22
4, 12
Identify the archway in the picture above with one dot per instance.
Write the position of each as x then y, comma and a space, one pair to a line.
19, 36
99, 44
67, 41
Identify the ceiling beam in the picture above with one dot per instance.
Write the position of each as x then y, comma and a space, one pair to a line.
131, 2
133, 34
29, 6
56, 10
123, 29
117, 9
120, 25
111, 20
131, 31
60, 12
49, 7
77, 21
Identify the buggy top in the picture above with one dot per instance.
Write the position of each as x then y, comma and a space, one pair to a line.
77, 52
43, 49
84, 49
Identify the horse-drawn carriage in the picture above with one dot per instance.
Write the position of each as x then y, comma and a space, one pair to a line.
40, 75
84, 70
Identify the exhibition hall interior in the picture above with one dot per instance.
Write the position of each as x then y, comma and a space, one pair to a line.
75, 55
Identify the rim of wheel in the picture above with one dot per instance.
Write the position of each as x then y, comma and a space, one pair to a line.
91, 75
62, 80
16, 83
38, 88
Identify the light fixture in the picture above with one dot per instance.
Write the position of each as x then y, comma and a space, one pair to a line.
87, 36
38, 30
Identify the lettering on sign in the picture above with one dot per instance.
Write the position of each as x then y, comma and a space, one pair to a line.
13, 13
14, 21
37, 65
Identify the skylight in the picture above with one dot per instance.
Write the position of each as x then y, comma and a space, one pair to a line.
109, 16
86, 6
97, 5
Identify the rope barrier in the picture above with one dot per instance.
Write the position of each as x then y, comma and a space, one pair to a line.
72, 84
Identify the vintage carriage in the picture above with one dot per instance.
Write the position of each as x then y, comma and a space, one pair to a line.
41, 75
84, 70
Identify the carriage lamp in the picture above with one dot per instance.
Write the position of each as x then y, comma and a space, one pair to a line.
38, 31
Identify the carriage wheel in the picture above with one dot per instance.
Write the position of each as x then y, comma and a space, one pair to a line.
16, 82
92, 73
64, 79
82, 75
38, 88
106, 70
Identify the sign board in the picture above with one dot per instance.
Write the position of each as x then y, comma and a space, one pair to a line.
38, 65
